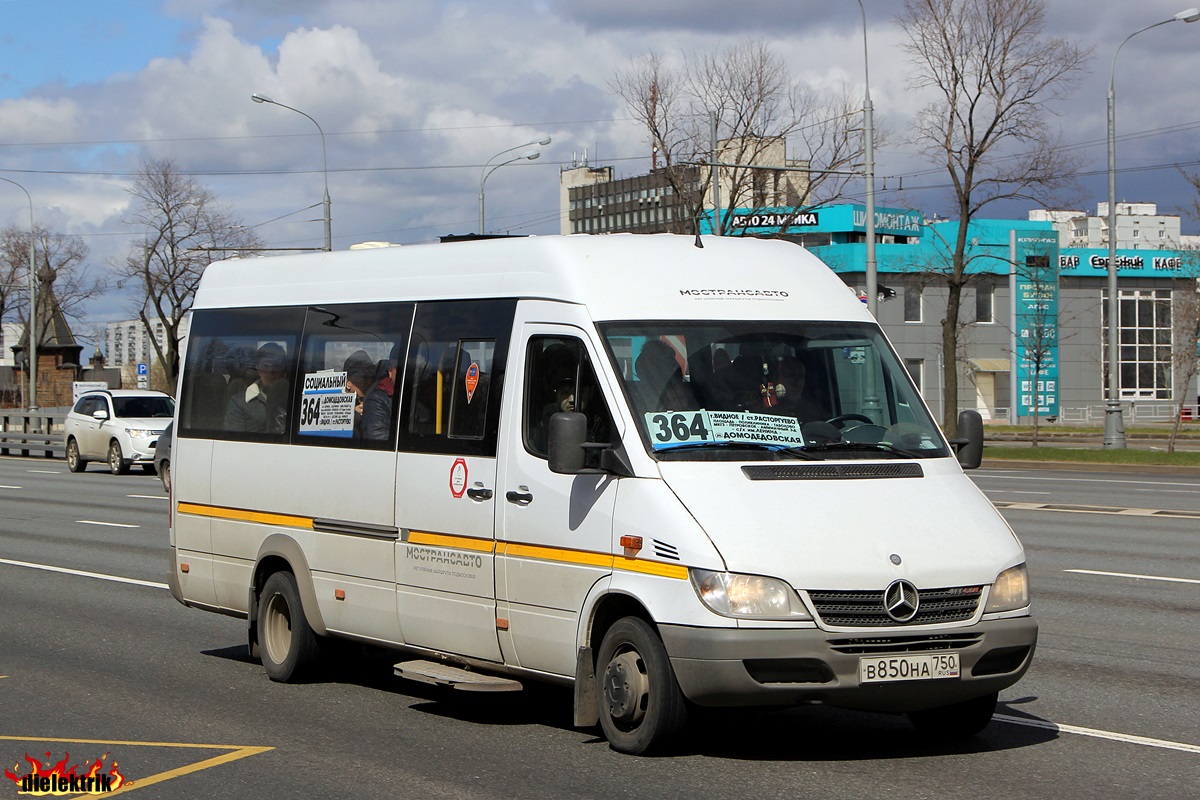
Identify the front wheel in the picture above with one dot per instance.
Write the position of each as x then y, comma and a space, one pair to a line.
956, 721
286, 642
75, 462
116, 459
640, 703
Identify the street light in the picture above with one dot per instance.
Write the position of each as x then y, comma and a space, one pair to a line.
869, 174
529, 156
1114, 424
31, 320
258, 98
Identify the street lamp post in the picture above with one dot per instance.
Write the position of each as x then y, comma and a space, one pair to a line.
529, 156
869, 174
1114, 424
328, 220
31, 319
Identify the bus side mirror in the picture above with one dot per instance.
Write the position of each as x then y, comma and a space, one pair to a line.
970, 441
568, 432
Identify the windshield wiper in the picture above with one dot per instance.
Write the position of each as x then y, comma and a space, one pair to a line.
787, 449
882, 447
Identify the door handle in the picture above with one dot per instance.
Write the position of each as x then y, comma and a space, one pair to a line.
479, 494
520, 498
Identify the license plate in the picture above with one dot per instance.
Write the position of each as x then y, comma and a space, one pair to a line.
907, 668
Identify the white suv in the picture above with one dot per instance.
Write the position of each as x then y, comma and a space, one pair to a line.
120, 426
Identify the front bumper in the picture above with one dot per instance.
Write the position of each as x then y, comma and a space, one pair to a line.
742, 667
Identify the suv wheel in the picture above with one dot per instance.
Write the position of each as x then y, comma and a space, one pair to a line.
75, 462
116, 459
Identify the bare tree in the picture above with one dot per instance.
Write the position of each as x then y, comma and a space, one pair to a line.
63, 283
992, 75
757, 106
186, 230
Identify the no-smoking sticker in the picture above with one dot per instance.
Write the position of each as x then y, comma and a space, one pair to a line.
458, 477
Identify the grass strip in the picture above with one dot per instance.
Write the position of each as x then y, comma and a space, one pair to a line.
1093, 456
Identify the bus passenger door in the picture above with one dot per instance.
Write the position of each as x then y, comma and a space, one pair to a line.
446, 476
555, 539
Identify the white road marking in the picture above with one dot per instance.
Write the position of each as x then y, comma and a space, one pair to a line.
147, 496
108, 524
46, 471
1127, 738
1132, 575
83, 574
10, 487
1030, 723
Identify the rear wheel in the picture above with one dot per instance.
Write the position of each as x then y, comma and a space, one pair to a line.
640, 703
286, 643
116, 459
164, 472
75, 462
956, 721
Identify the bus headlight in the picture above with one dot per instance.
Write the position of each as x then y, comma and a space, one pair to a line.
1010, 591
733, 595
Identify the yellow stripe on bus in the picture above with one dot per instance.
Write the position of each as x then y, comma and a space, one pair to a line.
448, 540
242, 515
677, 571
540, 553
472, 543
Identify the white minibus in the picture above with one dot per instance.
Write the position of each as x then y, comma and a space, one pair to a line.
672, 472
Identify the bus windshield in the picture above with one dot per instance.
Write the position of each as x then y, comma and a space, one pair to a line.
809, 389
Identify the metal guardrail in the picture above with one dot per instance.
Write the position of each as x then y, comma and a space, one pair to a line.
1138, 411
29, 433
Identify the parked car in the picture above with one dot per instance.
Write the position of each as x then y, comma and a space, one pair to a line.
162, 456
118, 426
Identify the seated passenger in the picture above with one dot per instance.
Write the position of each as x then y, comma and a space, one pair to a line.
262, 406
360, 378
660, 384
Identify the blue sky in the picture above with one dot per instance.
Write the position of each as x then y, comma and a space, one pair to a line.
415, 96
71, 42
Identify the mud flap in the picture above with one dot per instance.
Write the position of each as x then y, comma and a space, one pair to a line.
586, 714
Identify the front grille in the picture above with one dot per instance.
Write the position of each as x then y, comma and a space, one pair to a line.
864, 609
817, 472
887, 645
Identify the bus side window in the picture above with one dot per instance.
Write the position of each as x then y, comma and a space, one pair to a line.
240, 376
454, 375
344, 375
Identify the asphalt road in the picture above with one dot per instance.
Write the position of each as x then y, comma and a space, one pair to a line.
97, 658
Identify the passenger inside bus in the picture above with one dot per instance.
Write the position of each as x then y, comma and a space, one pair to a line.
262, 406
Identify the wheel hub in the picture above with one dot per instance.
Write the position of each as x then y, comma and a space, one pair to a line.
625, 688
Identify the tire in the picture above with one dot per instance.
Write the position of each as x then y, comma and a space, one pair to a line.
75, 462
286, 643
640, 704
116, 459
957, 721
164, 473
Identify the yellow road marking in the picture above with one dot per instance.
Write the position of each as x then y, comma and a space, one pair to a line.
235, 753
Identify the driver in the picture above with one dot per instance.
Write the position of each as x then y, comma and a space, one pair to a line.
789, 392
